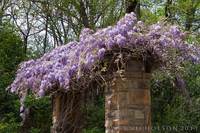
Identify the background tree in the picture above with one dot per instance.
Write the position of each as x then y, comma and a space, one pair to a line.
11, 54
133, 6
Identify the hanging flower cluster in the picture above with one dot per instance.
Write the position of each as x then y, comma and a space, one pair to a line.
57, 67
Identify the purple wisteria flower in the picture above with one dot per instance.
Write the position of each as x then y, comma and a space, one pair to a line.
110, 43
41, 93
101, 53
73, 70
58, 67
120, 40
174, 30
90, 59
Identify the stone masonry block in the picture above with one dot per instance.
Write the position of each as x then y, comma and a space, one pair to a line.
122, 99
120, 122
139, 114
139, 97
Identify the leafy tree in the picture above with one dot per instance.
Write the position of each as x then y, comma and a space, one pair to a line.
11, 54
170, 106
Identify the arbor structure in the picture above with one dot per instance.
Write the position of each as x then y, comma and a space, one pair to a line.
118, 59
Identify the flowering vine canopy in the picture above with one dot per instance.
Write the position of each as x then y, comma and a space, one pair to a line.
71, 61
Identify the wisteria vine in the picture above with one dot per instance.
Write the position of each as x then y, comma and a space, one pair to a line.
56, 68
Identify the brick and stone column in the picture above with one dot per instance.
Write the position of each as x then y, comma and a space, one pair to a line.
67, 112
127, 101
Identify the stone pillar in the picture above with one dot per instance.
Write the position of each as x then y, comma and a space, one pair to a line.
128, 103
56, 113
67, 113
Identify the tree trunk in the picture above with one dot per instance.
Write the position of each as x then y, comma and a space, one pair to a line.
133, 6
168, 13
84, 15
189, 18
46, 35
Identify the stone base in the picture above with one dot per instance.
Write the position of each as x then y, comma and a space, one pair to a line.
128, 103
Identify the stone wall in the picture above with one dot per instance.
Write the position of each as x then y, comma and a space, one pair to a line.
127, 101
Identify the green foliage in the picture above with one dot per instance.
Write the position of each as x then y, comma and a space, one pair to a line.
94, 116
148, 17
40, 114
11, 54
172, 108
9, 127
35, 130
93, 130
